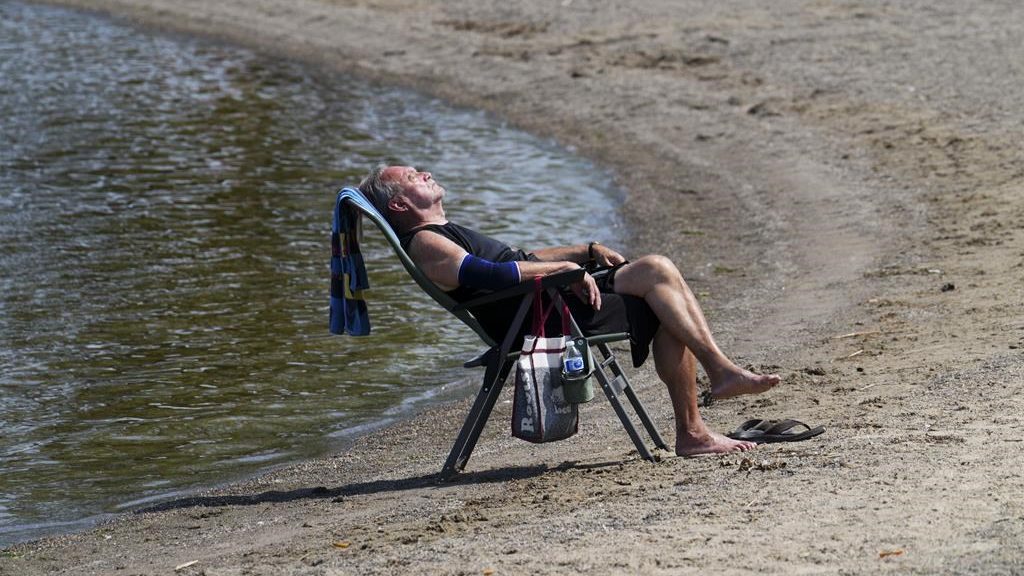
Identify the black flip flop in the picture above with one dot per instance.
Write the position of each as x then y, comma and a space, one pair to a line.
767, 431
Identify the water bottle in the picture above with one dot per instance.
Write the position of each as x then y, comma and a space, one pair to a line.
572, 362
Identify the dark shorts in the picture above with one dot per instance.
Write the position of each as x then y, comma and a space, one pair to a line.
618, 313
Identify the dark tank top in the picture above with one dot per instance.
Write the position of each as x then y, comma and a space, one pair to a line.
495, 318
477, 244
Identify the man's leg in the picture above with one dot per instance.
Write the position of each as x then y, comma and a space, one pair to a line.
677, 368
657, 280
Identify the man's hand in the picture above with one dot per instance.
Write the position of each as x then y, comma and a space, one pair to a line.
605, 256
587, 291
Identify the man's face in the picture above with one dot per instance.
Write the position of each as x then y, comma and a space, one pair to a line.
418, 188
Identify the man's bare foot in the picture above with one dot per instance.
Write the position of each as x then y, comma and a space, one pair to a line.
739, 381
709, 443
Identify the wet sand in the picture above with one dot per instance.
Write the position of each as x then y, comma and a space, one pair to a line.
841, 184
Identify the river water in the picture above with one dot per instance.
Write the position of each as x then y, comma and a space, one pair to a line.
165, 209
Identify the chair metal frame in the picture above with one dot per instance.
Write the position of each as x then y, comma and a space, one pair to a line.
499, 358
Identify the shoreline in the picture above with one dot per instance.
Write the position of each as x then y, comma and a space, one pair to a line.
766, 151
30, 520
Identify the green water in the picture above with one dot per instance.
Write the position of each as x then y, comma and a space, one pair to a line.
165, 210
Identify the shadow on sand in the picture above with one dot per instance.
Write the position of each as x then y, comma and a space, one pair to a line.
373, 487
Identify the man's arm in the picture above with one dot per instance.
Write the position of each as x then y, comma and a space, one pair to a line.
440, 259
577, 254
581, 254
528, 269
585, 289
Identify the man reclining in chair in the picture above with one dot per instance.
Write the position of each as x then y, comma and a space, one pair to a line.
647, 297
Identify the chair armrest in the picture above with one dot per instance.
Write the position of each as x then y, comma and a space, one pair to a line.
553, 280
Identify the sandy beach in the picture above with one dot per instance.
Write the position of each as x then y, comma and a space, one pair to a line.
842, 184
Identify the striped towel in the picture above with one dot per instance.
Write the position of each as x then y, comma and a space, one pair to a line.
348, 272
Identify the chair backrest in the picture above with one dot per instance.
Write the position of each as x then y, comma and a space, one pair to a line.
356, 199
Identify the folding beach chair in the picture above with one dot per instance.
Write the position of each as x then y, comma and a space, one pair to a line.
499, 358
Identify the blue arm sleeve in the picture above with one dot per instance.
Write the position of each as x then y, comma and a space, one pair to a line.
479, 273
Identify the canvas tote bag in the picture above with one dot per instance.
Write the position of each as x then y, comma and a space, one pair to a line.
540, 412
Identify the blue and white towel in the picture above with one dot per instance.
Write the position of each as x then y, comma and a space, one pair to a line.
348, 272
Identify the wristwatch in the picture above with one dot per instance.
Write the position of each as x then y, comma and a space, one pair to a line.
590, 252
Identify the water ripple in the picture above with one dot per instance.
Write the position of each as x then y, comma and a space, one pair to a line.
164, 219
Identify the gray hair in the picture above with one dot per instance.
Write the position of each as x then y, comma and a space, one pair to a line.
378, 190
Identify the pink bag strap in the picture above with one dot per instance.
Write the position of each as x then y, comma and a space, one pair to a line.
540, 316
565, 317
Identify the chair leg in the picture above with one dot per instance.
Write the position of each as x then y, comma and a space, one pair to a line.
497, 371
617, 372
652, 431
613, 398
494, 379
